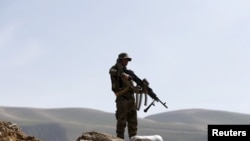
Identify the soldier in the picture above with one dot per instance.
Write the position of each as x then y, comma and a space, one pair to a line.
126, 113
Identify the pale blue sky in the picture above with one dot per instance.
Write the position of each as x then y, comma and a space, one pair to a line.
194, 53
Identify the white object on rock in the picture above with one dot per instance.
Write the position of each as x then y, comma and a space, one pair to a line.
146, 138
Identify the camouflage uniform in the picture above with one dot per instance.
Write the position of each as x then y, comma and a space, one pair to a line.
126, 113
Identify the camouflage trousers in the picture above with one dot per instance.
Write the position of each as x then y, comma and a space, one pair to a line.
126, 114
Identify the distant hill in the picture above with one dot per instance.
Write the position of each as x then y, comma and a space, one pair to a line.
201, 116
66, 124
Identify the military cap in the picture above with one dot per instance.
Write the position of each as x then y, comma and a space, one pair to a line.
124, 55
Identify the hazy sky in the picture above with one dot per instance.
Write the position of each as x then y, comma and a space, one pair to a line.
194, 53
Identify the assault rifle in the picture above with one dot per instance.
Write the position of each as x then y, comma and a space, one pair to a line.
150, 92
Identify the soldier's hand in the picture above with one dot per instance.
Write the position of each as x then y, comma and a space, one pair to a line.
145, 85
145, 82
137, 90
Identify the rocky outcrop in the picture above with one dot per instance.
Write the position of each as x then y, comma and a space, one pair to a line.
97, 136
11, 132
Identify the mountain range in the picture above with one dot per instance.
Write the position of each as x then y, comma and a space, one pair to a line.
66, 124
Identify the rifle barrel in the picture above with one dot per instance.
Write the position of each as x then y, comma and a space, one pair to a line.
164, 104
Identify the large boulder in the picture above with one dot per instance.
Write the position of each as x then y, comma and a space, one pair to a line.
97, 136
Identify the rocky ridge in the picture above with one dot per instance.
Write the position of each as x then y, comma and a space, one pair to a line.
11, 132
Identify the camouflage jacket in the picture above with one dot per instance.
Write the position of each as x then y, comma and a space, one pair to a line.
116, 81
